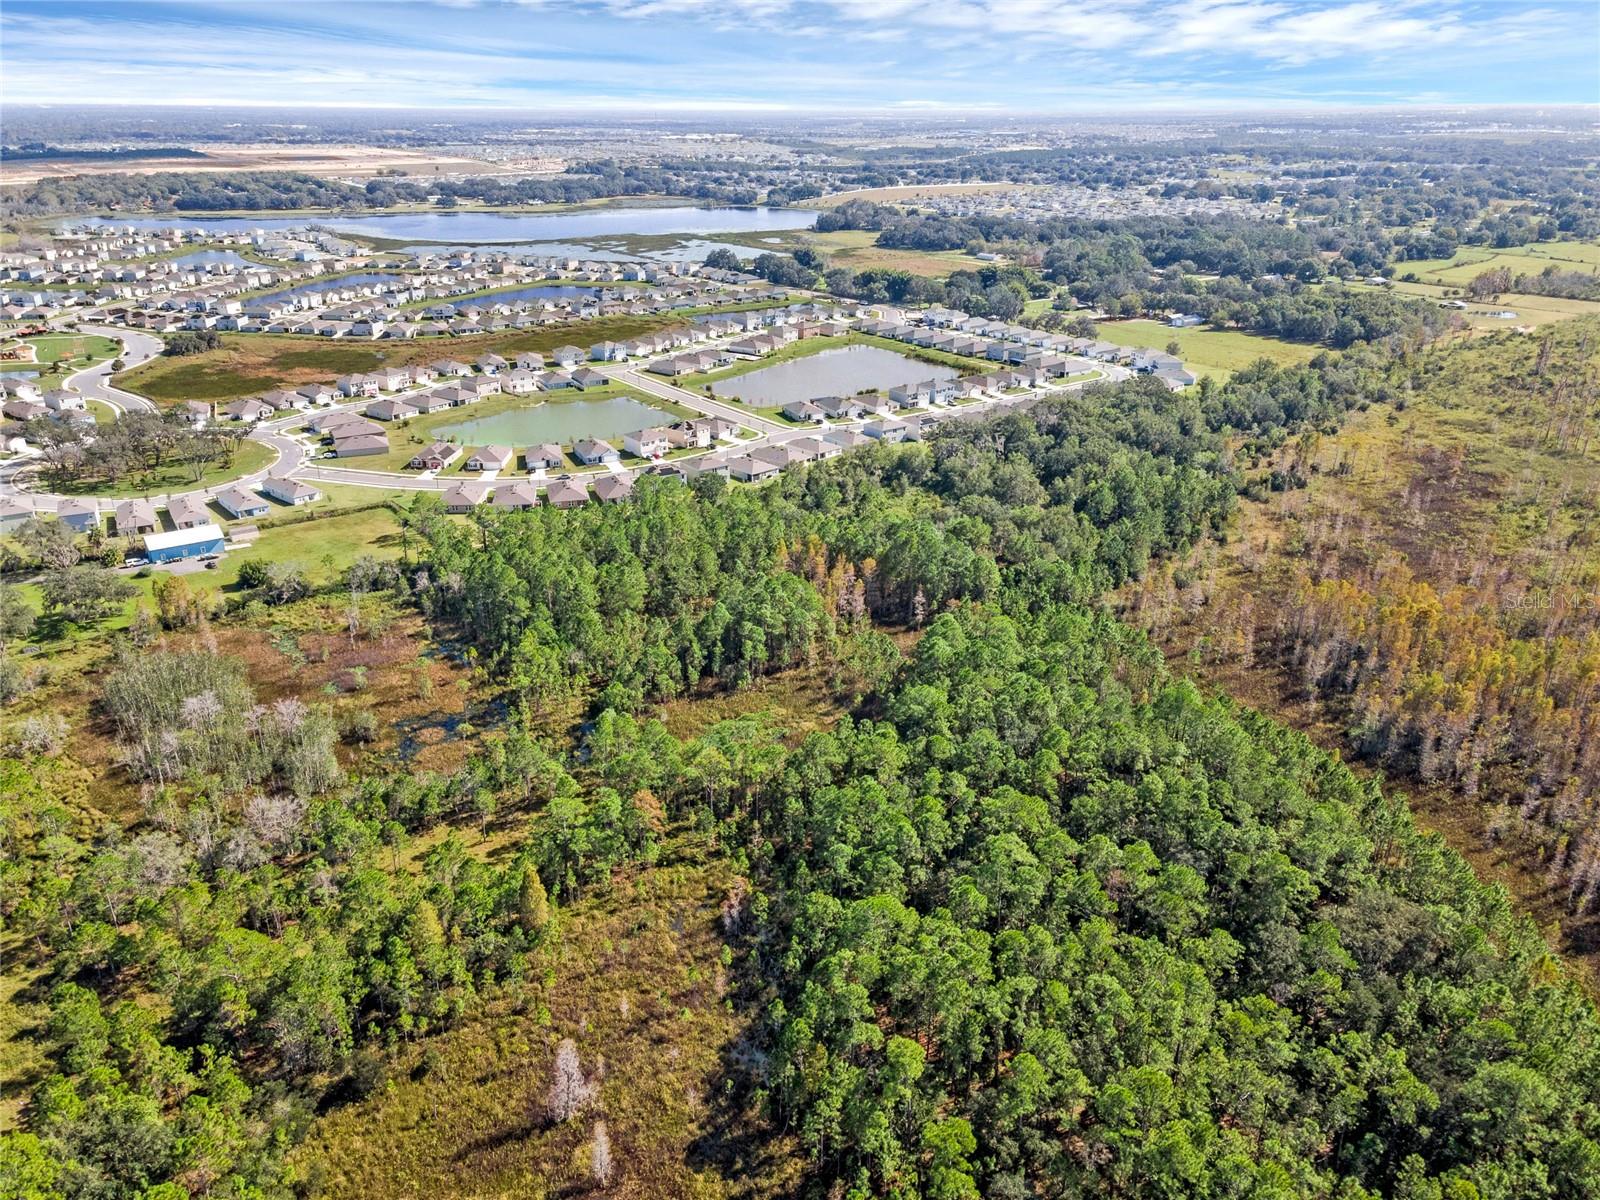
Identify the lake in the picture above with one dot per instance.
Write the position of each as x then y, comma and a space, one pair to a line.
206, 258
490, 228
841, 372
326, 285
543, 291
557, 422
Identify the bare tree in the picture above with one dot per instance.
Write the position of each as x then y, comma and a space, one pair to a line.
570, 1092
600, 1164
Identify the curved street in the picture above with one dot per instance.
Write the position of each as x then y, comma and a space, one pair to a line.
296, 457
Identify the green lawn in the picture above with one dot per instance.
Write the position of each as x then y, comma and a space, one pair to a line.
103, 413
322, 547
251, 456
1530, 259
79, 349
1214, 352
1530, 310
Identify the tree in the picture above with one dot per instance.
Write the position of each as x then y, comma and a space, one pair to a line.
16, 617
533, 903
86, 595
570, 1092
51, 544
600, 1165
722, 259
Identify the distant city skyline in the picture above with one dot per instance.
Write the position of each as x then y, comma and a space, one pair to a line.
711, 56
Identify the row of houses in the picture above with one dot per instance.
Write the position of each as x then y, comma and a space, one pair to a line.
565, 492
140, 518
652, 443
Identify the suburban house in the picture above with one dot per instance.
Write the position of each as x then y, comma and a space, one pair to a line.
530, 361
519, 382
241, 503
464, 497
544, 457
803, 410
13, 514
134, 517
187, 512
588, 377
750, 470
435, 458
591, 451
521, 494
612, 488
491, 364
450, 366
566, 356
690, 435
291, 491
647, 443
708, 464
390, 410
247, 410
566, 493
491, 458
848, 439
183, 543
61, 400
360, 444
80, 515
318, 393
840, 408
887, 431
348, 424
358, 385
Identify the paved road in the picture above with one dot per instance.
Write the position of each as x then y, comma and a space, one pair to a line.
95, 383
295, 457
699, 401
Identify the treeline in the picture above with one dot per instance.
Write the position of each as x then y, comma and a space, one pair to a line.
176, 191
71, 455
648, 599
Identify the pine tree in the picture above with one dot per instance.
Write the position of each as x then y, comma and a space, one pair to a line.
533, 902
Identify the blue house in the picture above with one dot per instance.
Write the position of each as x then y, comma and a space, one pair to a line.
183, 543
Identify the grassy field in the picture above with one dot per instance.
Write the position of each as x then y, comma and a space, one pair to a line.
1214, 352
249, 458
77, 349
634, 976
418, 433
1532, 311
247, 364
1530, 259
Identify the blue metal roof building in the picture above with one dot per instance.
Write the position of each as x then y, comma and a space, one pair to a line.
183, 543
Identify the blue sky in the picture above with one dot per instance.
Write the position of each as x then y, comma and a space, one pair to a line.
777, 55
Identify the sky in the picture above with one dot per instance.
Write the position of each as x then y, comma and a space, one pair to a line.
686, 56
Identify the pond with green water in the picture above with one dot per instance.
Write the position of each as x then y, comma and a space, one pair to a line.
563, 422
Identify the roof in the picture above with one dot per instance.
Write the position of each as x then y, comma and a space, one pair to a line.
292, 486
183, 537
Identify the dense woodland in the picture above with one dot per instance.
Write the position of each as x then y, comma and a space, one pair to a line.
1034, 918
